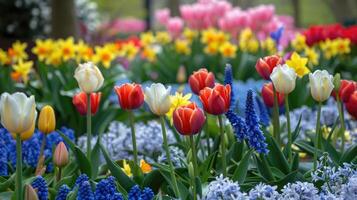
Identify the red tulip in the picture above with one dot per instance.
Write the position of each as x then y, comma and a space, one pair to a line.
217, 100
346, 89
201, 79
351, 105
80, 102
189, 119
268, 95
265, 66
130, 96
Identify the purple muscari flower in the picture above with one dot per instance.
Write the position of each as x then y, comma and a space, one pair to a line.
238, 124
263, 112
255, 137
41, 186
63, 192
80, 179
228, 79
105, 189
116, 196
134, 193
3, 158
85, 191
147, 194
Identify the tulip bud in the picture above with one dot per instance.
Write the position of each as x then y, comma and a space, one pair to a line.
60, 157
321, 83
30, 193
47, 120
201, 79
345, 90
158, 98
283, 78
268, 95
80, 102
130, 96
188, 120
265, 66
18, 112
89, 77
181, 75
217, 100
351, 105
191, 170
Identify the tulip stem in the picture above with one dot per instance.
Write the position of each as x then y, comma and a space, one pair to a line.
290, 139
18, 167
89, 127
194, 155
317, 135
207, 135
59, 174
276, 123
133, 137
223, 145
40, 161
342, 122
166, 146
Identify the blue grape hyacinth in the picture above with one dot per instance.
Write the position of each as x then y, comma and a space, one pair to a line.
263, 191
255, 137
85, 191
105, 189
223, 188
136, 193
63, 192
3, 159
40, 185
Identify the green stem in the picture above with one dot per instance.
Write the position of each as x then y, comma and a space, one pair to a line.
207, 136
19, 194
133, 137
287, 113
317, 135
193, 183
194, 155
59, 174
342, 122
166, 146
223, 145
89, 127
276, 122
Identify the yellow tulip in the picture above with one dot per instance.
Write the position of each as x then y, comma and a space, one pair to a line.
47, 120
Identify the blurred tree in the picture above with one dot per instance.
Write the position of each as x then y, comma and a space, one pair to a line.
64, 23
345, 11
296, 12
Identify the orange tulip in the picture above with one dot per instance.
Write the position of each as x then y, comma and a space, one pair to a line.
217, 100
130, 96
80, 102
201, 79
189, 119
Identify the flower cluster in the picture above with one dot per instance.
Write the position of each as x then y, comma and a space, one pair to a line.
223, 188
136, 193
118, 140
31, 147
40, 185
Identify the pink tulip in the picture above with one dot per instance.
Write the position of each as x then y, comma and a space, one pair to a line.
162, 16
175, 26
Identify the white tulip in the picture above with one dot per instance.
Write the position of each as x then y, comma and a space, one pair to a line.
283, 78
158, 98
321, 83
89, 77
18, 112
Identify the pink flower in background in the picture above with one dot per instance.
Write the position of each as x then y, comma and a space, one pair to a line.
162, 16
175, 26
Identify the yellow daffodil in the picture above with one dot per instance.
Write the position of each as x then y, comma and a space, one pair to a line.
189, 34
4, 58
104, 55
328, 48
130, 50
147, 39
145, 167
211, 48
246, 34
299, 42
228, 50
126, 168
182, 47
67, 48
298, 64
222, 37
55, 58
208, 36
248, 41
23, 68
149, 54
342, 45
17, 51
312, 55
85, 53
163, 37
43, 48
177, 100
269, 45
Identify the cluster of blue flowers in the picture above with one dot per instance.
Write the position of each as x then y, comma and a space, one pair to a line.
40, 185
104, 190
31, 148
249, 128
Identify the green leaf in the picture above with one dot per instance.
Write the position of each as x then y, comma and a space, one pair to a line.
335, 156
235, 153
73, 194
206, 166
95, 158
241, 171
287, 179
263, 168
295, 163
117, 172
154, 179
349, 155
297, 130
306, 147
276, 156
83, 162
7, 183
198, 186
6, 195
